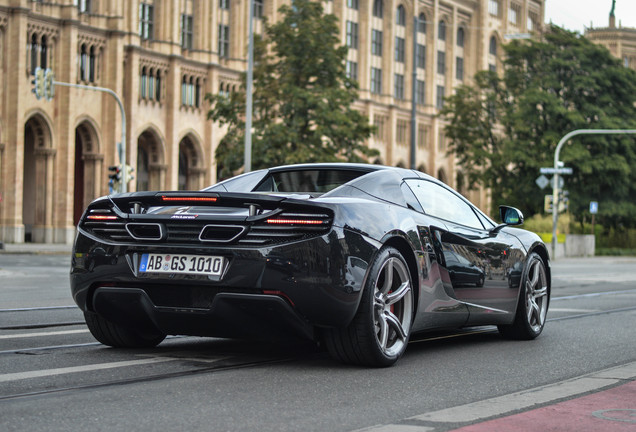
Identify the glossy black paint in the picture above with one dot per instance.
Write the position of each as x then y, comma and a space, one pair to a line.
306, 284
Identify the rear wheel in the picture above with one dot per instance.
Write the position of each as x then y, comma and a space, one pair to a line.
119, 336
533, 302
380, 331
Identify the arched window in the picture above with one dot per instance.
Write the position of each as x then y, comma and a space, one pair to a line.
493, 46
158, 86
43, 53
421, 24
191, 92
91, 65
197, 93
144, 80
34, 48
184, 91
460, 37
83, 63
378, 9
151, 84
400, 16
441, 31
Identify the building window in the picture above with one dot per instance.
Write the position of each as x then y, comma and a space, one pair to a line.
421, 24
187, 31
459, 70
143, 83
460, 37
441, 31
84, 6
492, 68
421, 137
258, 8
421, 56
224, 4
352, 4
352, 34
493, 7
532, 21
420, 92
378, 9
401, 132
441, 62
399, 49
440, 97
399, 87
190, 91
158, 87
514, 13
376, 80
224, 40
378, 122
376, 42
493, 46
38, 51
146, 20
352, 70
400, 16
87, 63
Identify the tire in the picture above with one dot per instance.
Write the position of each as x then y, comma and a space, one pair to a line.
380, 331
534, 300
480, 282
119, 336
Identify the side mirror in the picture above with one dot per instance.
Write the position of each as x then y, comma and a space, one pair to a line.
510, 215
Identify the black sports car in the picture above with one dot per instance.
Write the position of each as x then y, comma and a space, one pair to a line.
355, 256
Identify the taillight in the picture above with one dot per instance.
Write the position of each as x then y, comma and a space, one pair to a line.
188, 199
101, 217
281, 221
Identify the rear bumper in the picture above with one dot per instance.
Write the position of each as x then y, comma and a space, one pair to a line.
285, 288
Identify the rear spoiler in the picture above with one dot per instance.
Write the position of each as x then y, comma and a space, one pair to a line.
260, 206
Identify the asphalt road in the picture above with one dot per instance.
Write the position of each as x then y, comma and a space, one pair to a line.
54, 376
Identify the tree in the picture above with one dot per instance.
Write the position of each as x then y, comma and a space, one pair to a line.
301, 100
503, 129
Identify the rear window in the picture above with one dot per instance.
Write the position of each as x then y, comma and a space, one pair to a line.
313, 181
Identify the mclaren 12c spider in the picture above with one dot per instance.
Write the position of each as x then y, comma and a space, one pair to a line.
356, 257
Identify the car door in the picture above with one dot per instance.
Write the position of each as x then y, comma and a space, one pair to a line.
474, 256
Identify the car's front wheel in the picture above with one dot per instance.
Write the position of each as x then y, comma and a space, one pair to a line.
380, 331
533, 302
119, 336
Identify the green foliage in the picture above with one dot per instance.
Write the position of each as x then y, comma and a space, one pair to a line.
504, 129
302, 97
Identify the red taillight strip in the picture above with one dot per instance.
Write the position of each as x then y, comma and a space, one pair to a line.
100, 217
170, 198
295, 221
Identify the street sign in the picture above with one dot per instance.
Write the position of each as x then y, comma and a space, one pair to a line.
550, 170
593, 207
542, 181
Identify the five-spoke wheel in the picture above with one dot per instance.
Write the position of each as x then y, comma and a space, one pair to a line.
533, 302
380, 331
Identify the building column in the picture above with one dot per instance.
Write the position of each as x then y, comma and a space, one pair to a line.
43, 227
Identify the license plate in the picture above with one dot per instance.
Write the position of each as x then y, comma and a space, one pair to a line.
184, 264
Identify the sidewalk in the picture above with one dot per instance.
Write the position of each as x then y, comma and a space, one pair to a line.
36, 248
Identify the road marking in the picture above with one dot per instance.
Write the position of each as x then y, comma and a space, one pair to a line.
86, 368
573, 310
38, 334
396, 428
531, 398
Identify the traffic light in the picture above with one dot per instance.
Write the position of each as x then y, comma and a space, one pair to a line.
38, 83
49, 84
129, 173
547, 203
114, 183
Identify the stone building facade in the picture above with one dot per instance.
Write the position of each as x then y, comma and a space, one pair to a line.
161, 57
620, 41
